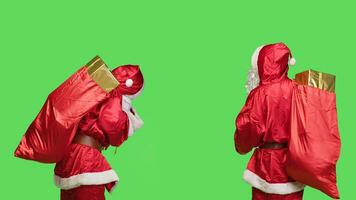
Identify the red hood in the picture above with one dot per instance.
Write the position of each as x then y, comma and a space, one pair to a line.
130, 79
273, 63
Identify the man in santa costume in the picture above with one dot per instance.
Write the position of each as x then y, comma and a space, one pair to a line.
84, 173
264, 124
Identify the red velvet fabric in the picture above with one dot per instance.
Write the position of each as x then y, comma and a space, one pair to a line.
86, 192
314, 147
259, 195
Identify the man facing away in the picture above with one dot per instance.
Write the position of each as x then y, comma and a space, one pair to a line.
264, 124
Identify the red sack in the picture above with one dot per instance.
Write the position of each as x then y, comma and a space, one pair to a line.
314, 145
50, 134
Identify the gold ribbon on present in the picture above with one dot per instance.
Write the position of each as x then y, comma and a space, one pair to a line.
316, 79
101, 74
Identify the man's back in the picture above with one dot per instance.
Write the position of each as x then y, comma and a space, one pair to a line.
264, 124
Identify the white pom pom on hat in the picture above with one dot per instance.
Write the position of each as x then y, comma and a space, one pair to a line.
292, 61
129, 82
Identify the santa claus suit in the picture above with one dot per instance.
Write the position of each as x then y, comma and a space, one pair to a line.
264, 124
84, 173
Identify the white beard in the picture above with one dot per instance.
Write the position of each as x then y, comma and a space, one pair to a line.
135, 120
253, 78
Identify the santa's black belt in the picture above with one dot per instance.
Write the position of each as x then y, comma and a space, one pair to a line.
88, 141
273, 145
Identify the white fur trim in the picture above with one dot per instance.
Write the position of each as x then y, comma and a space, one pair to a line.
271, 188
92, 178
292, 61
129, 82
254, 57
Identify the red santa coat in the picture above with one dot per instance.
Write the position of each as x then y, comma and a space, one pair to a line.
84, 165
265, 118
111, 122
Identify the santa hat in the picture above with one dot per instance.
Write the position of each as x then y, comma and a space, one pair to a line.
253, 77
130, 79
254, 58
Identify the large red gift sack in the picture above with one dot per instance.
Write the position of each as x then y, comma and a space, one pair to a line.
314, 145
50, 134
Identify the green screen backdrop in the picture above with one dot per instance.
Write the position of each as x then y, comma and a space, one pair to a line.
195, 56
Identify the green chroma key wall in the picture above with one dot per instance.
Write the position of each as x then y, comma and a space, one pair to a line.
195, 56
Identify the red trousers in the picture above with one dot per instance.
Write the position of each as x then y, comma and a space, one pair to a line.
84, 192
259, 195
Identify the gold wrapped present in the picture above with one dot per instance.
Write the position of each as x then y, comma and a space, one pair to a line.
101, 74
316, 79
